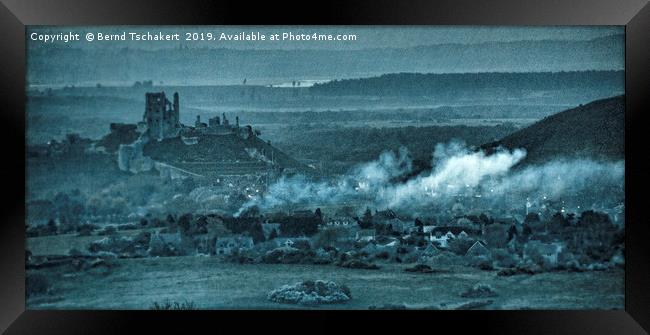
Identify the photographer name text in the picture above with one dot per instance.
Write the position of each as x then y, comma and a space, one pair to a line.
209, 36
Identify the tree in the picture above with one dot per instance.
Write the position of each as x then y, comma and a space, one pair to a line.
526, 230
512, 232
273, 234
366, 221
460, 246
531, 217
51, 227
485, 219
257, 232
184, 223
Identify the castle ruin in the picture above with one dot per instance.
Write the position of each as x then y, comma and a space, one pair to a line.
161, 116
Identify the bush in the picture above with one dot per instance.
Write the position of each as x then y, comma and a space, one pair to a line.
479, 291
504, 258
459, 246
420, 268
528, 268
311, 293
382, 255
173, 306
289, 255
326, 237
123, 246
484, 264
356, 263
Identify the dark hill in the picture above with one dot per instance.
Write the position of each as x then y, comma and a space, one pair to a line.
595, 130
447, 84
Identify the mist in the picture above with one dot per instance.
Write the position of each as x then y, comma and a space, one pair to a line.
460, 174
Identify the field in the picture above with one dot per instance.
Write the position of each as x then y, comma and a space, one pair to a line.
212, 284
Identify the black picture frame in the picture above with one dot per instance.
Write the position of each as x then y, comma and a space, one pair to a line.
16, 14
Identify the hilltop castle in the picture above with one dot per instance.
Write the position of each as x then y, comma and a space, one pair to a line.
161, 120
219, 147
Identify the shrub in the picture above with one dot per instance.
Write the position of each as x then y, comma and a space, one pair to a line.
421, 268
289, 255
479, 291
459, 246
383, 255
173, 306
311, 293
86, 229
326, 237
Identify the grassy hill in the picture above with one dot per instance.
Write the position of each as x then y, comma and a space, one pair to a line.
595, 130
220, 152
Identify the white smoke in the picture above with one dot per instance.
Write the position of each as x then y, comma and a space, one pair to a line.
458, 172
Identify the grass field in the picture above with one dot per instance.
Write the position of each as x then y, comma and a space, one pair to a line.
211, 284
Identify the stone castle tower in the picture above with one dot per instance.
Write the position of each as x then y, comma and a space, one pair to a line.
161, 116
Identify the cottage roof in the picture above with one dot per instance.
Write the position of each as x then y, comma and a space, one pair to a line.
477, 249
387, 214
430, 250
173, 238
366, 232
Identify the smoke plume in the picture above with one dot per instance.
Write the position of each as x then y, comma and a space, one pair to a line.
458, 175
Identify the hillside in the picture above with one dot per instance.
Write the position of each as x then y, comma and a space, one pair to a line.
490, 83
216, 155
595, 130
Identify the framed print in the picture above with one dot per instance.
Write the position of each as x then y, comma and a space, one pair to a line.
421, 160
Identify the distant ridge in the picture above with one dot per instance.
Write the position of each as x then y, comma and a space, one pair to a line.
445, 84
74, 66
595, 130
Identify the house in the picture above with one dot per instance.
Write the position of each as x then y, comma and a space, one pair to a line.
170, 238
442, 241
400, 226
385, 214
230, 245
478, 249
365, 235
548, 251
431, 231
167, 244
463, 234
428, 229
202, 243
341, 222
290, 241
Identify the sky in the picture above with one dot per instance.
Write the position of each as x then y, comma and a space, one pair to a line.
374, 50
